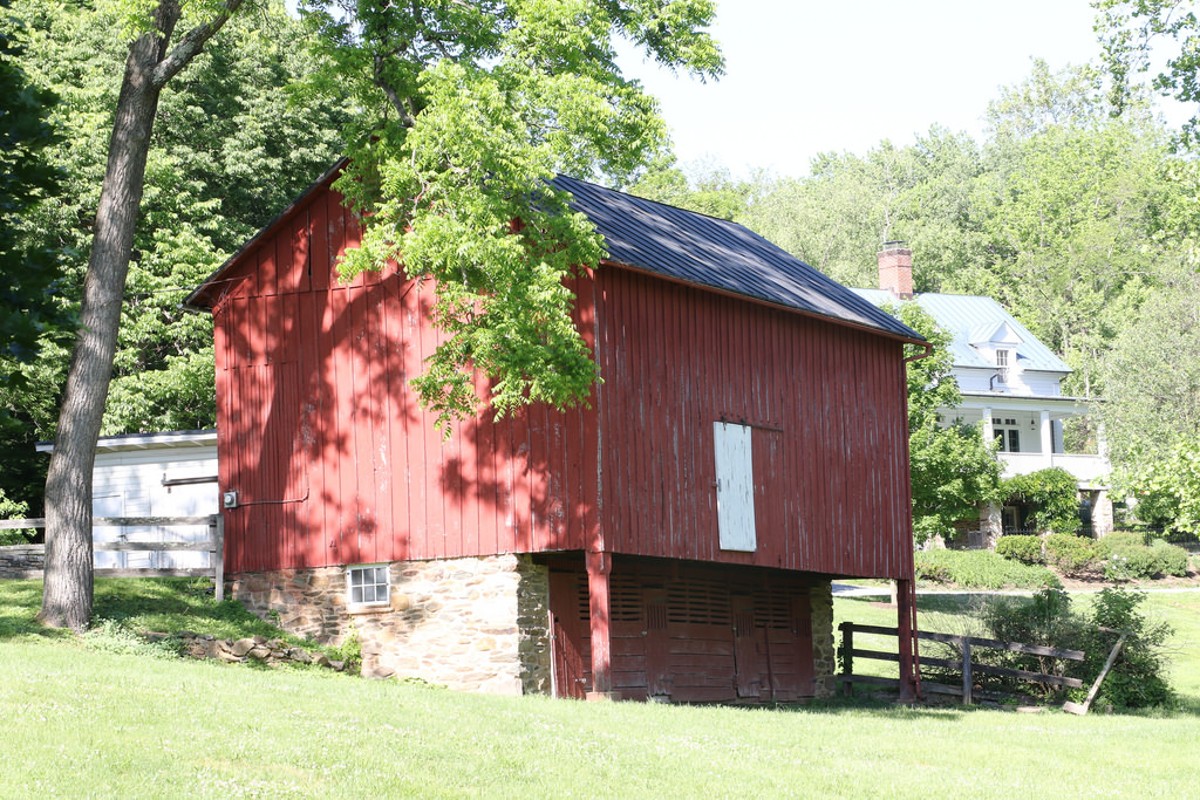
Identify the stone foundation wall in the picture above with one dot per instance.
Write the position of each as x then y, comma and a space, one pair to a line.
820, 598
473, 624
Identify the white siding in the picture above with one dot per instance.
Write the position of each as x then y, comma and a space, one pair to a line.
129, 483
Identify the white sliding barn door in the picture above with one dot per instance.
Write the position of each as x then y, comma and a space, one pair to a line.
735, 486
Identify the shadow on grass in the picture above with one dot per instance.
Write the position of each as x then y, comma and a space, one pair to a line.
166, 605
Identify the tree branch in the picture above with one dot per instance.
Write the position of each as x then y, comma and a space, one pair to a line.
392, 95
192, 42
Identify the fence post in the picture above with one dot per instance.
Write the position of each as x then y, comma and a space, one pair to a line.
966, 671
847, 629
217, 534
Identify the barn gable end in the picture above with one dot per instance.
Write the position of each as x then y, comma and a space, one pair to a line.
610, 509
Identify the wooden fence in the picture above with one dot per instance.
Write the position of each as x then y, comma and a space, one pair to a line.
969, 669
214, 545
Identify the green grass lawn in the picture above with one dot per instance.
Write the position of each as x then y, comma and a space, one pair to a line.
83, 720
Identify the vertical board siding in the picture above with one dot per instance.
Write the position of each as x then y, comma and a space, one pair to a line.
690, 632
333, 458
336, 462
826, 402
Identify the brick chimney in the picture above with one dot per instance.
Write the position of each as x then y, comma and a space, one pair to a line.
895, 270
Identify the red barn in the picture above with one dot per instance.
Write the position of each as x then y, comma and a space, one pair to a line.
675, 540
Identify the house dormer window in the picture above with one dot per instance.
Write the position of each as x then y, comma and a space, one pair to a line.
1002, 365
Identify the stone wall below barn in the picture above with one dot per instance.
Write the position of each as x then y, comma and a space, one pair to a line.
820, 598
473, 624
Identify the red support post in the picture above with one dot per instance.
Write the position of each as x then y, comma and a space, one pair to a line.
599, 566
905, 604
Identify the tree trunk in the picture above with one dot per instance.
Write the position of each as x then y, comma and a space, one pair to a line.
67, 594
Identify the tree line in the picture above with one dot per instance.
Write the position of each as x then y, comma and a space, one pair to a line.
1077, 214
1076, 211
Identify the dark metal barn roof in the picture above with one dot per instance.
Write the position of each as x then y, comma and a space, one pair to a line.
720, 254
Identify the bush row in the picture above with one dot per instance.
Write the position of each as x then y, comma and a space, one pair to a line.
980, 569
1120, 556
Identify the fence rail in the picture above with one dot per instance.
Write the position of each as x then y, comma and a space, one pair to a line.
966, 645
214, 545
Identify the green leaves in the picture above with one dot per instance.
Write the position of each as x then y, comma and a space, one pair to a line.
1138, 35
953, 469
233, 144
468, 112
1053, 493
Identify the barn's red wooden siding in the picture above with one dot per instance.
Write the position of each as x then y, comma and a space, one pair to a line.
827, 408
335, 462
694, 632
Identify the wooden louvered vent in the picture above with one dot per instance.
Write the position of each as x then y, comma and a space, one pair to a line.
698, 601
773, 610
625, 599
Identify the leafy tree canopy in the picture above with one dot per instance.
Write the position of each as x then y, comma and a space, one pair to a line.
235, 141
28, 267
465, 111
1140, 35
706, 188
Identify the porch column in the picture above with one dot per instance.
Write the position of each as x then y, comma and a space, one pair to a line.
989, 433
1047, 440
599, 566
905, 610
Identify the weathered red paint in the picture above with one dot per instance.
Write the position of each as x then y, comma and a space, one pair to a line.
685, 631
599, 567
336, 462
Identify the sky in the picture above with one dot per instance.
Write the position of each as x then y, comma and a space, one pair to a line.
804, 78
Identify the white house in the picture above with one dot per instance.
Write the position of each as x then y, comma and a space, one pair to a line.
1012, 383
154, 475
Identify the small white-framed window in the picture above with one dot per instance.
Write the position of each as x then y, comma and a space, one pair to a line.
368, 585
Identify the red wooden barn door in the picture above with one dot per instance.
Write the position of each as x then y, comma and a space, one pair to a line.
658, 644
785, 625
570, 652
750, 656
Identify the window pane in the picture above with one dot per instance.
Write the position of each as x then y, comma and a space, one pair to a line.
368, 584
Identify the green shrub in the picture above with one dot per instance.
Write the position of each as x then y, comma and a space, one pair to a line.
1070, 554
13, 509
1125, 560
1044, 619
980, 569
1119, 540
1172, 559
1019, 547
1138, 677
1054, 496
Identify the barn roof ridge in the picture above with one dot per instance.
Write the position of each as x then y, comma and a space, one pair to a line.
720, 254
670, 242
